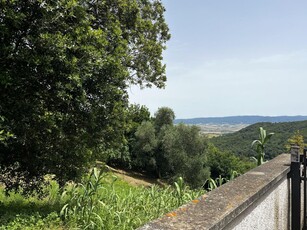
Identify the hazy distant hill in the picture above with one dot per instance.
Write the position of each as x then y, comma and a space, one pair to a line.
240, 119
240, 142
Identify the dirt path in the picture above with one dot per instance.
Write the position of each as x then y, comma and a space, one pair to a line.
136, 179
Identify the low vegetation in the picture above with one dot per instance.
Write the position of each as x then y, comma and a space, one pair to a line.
101, 201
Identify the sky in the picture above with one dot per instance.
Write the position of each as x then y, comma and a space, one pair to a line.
228, 58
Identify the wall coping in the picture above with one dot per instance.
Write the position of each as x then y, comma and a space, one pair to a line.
216, 209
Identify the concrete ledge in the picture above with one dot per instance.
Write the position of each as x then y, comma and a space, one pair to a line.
217, 209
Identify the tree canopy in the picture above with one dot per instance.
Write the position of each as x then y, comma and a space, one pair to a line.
167, 151
65, 67
164, 116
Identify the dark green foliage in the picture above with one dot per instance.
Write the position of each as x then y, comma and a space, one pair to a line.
145, 148
164, 116
239, 143
183, 149
64, 71
170, 152
4, 134
135, 114
225, 163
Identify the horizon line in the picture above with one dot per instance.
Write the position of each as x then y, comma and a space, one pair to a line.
242, 116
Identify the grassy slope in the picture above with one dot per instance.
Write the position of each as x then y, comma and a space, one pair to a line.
240, 142
118, 205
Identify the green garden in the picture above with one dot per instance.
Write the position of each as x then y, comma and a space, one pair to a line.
66, 68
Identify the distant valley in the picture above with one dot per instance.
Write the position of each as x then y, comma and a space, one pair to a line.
215, 126
212, 130
240, 119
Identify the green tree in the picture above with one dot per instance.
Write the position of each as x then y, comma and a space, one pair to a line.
183, 153
296, 139
64, 71
164, 116
169, 151
135, 114
260, 144
145, 148
223, 163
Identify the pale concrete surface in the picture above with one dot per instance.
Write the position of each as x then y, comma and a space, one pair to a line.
271, 212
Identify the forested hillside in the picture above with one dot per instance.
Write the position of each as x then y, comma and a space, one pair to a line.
239, 142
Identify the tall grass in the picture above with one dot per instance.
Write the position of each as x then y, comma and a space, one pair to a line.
211, 184
101, 201
104, 202
29, 213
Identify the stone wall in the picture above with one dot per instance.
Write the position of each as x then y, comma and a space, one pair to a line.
259, 199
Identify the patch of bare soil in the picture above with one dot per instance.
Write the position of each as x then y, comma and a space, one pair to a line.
135, 178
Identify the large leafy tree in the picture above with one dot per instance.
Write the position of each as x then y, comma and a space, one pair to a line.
64, 70
184, 153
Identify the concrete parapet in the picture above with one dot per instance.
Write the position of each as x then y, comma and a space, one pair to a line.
259, 199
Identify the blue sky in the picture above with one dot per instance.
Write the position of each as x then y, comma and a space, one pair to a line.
233, 57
